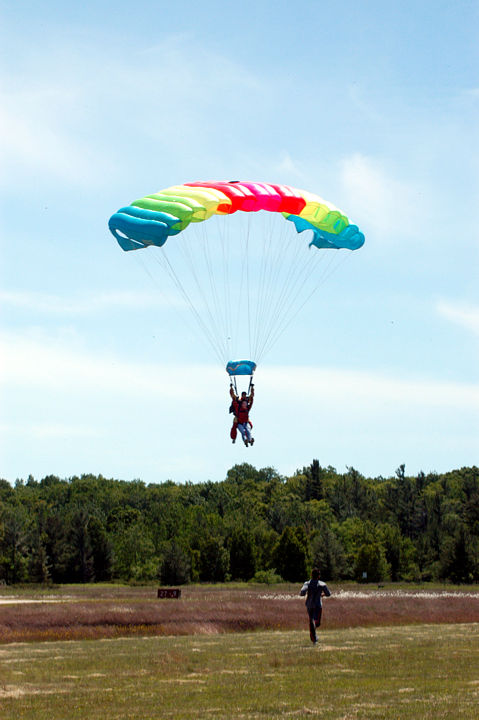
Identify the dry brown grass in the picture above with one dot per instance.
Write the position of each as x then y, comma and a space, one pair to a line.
96, 612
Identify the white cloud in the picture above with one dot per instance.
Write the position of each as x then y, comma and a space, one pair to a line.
372, 191
34, 134
55, 367
69, 115
467, 316
191, 70
52, 365
472, 92
287, 167
92, 303
348, 387
76, 410
61, 430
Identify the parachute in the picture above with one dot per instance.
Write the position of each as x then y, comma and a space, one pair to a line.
239, 289
152, 219
240, 367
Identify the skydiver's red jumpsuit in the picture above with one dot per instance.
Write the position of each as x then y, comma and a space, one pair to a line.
241, 408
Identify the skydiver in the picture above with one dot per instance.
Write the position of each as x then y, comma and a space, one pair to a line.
241, 406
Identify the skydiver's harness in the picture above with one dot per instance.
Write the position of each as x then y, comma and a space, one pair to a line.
235, 390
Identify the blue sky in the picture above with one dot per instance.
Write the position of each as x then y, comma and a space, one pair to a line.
372, 105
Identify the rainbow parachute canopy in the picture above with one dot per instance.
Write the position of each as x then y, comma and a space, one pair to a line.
152, 219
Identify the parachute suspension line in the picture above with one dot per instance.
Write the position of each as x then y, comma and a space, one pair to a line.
330, 269
299, 269
163, 260
234, 313
242, 323
259, 300
264, 270
139, 259
285, 310
225, 254
216, 312
275, 265
190, 243
236, 309
254, 321
218, 309
209, 332
294, 256
277, 272
248, 296
243, 297
276, 276
275, 250
160, 290
221, 230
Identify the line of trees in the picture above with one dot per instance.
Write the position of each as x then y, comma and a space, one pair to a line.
255, 524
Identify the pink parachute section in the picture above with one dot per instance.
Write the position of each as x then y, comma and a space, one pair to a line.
251, 197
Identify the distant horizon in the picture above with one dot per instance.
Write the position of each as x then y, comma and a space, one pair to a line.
287, 476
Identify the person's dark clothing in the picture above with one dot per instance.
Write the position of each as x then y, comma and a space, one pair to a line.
314, 589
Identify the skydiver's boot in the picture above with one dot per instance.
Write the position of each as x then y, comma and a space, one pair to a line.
252, 441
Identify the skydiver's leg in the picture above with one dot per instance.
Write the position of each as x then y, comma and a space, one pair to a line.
234, 431
242, 430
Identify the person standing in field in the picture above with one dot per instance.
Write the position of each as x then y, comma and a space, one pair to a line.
314, 589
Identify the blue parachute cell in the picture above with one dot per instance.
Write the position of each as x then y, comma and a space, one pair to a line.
350, 238
240, 367
136, 228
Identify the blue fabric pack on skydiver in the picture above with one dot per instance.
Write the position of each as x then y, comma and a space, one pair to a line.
240, 367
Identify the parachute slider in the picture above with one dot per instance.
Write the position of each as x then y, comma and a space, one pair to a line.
240, 367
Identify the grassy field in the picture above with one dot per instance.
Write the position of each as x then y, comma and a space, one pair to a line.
422, 671
110, 611
237, 651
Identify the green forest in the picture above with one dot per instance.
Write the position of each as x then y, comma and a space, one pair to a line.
254, 525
